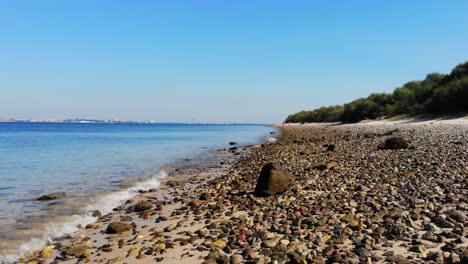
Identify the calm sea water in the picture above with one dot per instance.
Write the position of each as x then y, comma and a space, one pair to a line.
85, 160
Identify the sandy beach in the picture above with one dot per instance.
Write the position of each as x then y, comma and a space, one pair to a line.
355, 199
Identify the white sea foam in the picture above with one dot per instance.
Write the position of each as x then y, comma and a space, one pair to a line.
271, 140
105, 205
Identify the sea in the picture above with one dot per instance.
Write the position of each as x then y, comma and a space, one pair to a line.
97, 165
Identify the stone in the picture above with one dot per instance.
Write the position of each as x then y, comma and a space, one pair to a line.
159, 246
118, 227
418, 249
363, 188
454, 258
297, 246
395, 143
169, 228
233, 149
47, 252
273, 180
296, 258
321, 166
131, 251
236, 259
51, 196
442, 222
270, 243
195, 203
96, 213
173, 183
202, 232
143, 206
362, 252
348, 218
126, 218
218, 244
206, 196
75, 250
332, 165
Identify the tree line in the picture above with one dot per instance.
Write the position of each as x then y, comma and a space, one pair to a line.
437, 94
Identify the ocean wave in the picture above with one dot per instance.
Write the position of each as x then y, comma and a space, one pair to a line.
104, 204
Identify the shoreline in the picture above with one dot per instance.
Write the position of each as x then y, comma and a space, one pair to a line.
62, 226
363, 205
212, 161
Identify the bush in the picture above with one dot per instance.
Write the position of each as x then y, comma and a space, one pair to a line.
323, 114
450, 98
436, 94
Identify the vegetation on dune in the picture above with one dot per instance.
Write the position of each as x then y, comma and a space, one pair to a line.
437, 94
323, 114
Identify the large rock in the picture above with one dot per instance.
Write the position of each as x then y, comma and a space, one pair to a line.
395, 143
118, 227
143, 206
75, 250
273, 179
51, 196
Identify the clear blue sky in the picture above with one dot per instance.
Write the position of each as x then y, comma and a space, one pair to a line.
215, 61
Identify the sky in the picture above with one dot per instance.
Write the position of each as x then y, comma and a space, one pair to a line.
253, 61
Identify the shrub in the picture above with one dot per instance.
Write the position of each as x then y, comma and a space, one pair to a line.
436, 94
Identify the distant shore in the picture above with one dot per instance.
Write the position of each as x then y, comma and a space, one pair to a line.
112, 121
354, 202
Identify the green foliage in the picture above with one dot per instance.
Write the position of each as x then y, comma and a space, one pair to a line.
436, 94
450, 98
323, 114
375, 105
405, 99
459, 72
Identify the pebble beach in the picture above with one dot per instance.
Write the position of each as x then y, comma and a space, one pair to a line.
352, 196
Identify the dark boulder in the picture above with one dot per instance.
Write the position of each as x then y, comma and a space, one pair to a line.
117, 228
51, 196
273, 179
233, 143
394, 143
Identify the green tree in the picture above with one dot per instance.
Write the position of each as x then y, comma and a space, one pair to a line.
450, 98
404, 99
437, 93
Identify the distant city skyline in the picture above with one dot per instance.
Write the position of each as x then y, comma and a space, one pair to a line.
216, 61
112, 120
